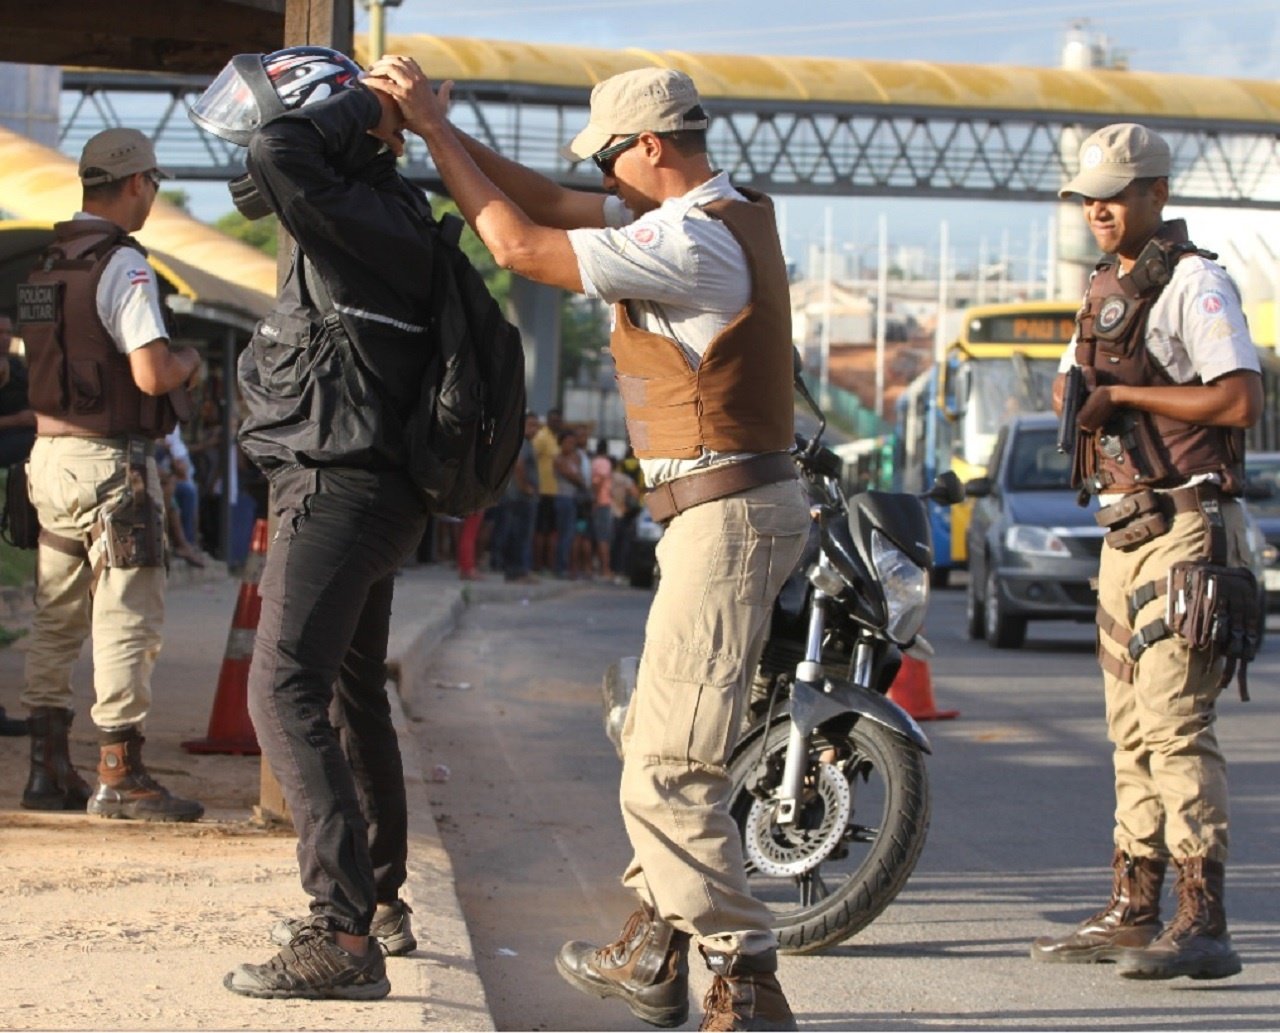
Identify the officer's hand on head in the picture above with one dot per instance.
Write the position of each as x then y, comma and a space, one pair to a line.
402, 79
1097, 409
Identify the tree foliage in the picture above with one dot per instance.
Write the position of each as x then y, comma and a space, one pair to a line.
263, 234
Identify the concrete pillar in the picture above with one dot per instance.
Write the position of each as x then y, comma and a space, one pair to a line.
1077, 251
535, 310
29, 101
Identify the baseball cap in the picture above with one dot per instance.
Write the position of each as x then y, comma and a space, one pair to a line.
116, 153
1115, 156
647, 100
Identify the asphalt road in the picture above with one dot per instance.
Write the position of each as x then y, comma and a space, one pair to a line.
1019, 844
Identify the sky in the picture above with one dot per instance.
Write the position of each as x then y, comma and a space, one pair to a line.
1234, 39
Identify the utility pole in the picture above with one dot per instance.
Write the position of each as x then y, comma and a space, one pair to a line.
378, 25
940, 333
825, 341
882, 315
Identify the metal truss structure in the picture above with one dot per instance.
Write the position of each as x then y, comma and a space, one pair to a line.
782, 149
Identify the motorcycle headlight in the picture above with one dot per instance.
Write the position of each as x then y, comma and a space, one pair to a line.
906, 588
1035, 541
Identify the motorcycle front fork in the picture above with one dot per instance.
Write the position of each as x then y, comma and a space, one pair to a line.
810, 672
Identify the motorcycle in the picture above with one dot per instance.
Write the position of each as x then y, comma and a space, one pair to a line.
829, 786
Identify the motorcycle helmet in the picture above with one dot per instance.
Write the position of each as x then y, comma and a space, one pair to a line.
252, 89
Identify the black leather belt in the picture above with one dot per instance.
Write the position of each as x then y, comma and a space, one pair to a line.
675, 496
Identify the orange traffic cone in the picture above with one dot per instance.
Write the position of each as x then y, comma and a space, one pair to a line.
912, 690
230, 730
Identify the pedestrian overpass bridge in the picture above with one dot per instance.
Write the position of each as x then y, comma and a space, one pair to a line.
787, 125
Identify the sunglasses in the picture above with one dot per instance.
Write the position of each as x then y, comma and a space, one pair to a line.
605, 158
154, 177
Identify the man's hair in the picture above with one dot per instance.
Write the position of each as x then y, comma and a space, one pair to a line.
106, 191
689, 143
1146, 183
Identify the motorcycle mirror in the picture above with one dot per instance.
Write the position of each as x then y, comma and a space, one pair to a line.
947, 490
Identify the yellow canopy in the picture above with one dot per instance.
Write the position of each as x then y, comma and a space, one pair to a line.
43, 187
907, 84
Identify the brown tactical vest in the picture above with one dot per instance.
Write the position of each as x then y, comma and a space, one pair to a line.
1137, 449
80, 384
740, 398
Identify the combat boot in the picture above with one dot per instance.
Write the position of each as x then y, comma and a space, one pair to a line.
53, 785
126, 790
1196, 943
745, 993
647, 967
1130, 919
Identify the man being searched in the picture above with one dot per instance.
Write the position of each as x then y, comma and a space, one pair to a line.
328, 379
695, 270
1169, 382
104, 382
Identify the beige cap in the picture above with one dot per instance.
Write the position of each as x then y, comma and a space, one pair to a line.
116, 153
1115, 156
653, 100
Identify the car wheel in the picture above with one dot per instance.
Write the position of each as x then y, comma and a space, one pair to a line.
974, 618
1001, 630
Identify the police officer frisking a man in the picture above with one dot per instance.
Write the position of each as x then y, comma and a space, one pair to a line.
1169, 380
694, 269
329, 378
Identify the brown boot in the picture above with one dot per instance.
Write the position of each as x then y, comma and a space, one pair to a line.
126, 790
53, 785
1130, 919
1196, 943
647, 967
745, 993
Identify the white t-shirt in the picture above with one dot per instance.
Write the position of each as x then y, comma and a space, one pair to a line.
1196, 327
682, 274
129, 299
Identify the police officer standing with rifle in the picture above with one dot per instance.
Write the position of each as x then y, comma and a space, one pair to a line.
104, 384
1160, 381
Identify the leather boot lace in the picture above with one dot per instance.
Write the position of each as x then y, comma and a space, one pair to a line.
614, 955
717, 1006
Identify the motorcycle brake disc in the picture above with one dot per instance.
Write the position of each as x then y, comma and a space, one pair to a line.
791, 850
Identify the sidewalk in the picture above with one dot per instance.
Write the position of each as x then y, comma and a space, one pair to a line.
126, 925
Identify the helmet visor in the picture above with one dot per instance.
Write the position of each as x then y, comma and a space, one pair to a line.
233, 105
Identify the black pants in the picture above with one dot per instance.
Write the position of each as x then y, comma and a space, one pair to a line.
317, 684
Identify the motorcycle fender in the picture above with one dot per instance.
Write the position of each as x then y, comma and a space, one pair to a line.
875, 707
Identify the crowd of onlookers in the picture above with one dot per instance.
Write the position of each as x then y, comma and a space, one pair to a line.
569, 512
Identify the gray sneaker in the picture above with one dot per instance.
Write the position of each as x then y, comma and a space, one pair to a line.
313, 967
390, 928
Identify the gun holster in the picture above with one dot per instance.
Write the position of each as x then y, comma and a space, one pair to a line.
130, 532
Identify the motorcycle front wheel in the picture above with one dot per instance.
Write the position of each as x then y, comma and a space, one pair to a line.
860, 828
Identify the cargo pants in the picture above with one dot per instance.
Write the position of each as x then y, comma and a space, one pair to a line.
722, 564
1170, 775
71, 481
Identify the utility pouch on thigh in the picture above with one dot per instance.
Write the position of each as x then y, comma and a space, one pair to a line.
1135, 519
130, 533
1217, 608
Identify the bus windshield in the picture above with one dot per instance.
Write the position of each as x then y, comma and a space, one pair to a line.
1001, 388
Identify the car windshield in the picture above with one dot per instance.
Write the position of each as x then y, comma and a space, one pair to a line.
1264, 473
1035, 464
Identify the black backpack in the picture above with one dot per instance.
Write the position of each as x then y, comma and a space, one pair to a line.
465, 435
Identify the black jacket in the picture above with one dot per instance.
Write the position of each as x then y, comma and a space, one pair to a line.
315, 400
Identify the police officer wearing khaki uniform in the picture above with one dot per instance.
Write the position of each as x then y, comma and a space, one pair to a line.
104, 383
1168, 381
702, 344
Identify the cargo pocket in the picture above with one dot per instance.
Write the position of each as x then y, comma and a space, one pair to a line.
686, 706
776, 526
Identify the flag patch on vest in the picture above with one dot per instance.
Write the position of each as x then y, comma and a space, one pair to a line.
1112, 313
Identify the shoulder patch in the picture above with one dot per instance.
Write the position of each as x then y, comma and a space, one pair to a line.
138, 275
645, 235
1211, 303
